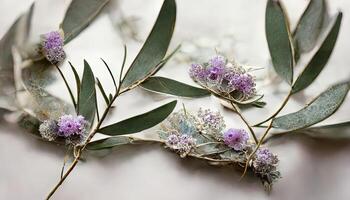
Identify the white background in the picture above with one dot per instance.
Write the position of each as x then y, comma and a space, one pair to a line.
311, 168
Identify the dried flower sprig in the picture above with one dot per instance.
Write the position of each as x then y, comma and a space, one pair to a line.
184, 134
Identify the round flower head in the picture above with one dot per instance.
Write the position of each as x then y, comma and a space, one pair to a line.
264, 161
69, 125
48, 130
186, 143
211, 122
244, 83
52, 47
197, 73
217, 61
214, 74
172, 141
236, 139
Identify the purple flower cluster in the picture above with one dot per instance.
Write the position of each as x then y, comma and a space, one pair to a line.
237, 139
223, 77
181, 143
68, 127
211, 122
264, 161
52, 47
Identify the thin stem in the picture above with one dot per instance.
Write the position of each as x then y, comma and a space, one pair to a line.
110, 73
256, 149
69, 90
278, 111
77, 157
245, 121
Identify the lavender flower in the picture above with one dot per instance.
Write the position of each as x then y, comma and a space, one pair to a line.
181, 143
264, 162
217, 61
172, 141
49, 130
211, 122
69, 125
197, 72
243, 83
52, 47
236, 139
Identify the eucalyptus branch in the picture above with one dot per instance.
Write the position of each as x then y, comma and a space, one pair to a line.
237, 110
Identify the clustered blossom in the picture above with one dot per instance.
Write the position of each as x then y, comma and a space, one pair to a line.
237, 139
264, 162
224, 77
68, 127
52, 47
181, 143
211, 122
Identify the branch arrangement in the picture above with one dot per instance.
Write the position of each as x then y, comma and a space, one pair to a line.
26, 70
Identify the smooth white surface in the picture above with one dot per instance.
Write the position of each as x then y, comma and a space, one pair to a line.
311, 169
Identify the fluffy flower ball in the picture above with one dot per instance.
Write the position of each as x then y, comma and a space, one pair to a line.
52, 47
48, 130
69, 125
236, 138
182, 143
265, 161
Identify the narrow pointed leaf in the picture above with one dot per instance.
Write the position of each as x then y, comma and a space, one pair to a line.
79, 15
140, 122
172, 87
316, 111
108, 143
77, 79
87, 95
310, 26
154, 48
102, 91
279, 40
333, 131
320, 59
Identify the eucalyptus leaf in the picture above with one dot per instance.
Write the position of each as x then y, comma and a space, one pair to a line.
316, 111
87, 95
333, 131
154, 48
310, 26
79, 15
172, 87
320, 59
108, 143
279, 40
140, 122
211, 148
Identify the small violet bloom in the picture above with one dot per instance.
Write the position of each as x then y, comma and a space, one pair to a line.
69, 125
197, 72
211, 122
236, 139
52, 47
182, 143
264, 161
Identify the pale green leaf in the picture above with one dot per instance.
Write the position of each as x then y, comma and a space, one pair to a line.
316, 111
320, 59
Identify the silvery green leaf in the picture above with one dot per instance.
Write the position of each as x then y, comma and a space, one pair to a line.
109, 142
29, 123
79, 15
155, 47
310, 26
140, 122
316, 111
320, 59
232, 155
211, 148
279, 40
333, 131
87, 96
172, 87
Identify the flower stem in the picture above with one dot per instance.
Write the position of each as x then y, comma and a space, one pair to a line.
278, 111
238, 111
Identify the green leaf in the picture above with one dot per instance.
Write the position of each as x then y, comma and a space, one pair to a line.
76, 76
155, 47
320, 59
87, 95
310, 26
109, 142
104, 95
211, 148
169, 86
279, 40
316, 111
140, 122
333, 131
79, 15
